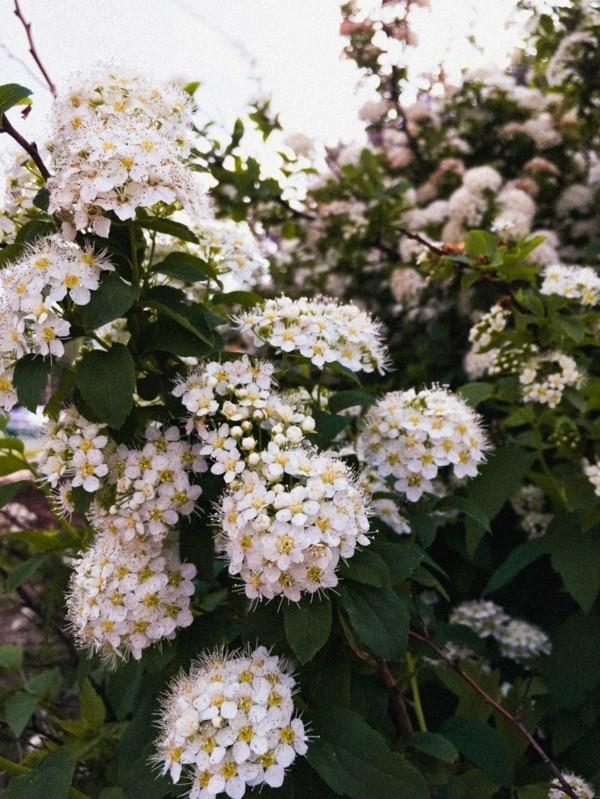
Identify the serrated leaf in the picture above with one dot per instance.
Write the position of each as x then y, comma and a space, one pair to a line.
51, 779
106, 381
378, 616
30, 379
113, 298
307, 626
91, 706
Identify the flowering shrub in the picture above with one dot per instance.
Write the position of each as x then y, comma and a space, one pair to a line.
375, 404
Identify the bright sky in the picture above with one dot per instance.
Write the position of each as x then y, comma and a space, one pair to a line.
293, 47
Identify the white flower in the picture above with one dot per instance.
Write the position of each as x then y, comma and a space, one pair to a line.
592, 472
581, 788
520, 640
483, 617
580, 283
411, 435
545, 376
230, 723
530, 504
321, 330
481, 178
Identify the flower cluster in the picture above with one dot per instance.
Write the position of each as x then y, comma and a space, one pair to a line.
482, 332
233, 407
16, 201
583, 790
518, 640
233, 249
321, 330
411, 435
123, 597
118, 145
31, 288
592, 472
530, 505
574, 282
287, 538
229, 724
545, 376
384, 508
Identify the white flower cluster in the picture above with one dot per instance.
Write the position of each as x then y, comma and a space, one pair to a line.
384, 508
118, 145
321, 330
16, 200
287, 538
518, 640
592, 472
234, 406
545, 376
516, 211
125, 596
230, 724
411, 435
530, 505
407, 285
582, 789
494, 321
31, 287
233, 249
574, 282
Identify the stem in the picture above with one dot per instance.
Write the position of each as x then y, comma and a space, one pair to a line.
539, 443
18, 770
401, 718
417, 237
416, 694
135, 270
502, 711
27, 25
29, 147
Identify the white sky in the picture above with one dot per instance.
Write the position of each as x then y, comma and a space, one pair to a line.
295, 46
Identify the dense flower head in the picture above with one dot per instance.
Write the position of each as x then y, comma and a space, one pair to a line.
126, 596
411, 435
482, 332
583, 790
545, 376
592, 472
384, 508
233, 249
233, 407
520, 640
286, 525
229, 724
321, 330
482, 616
31, 288
20, 185
118, 144
580, 283
531, 506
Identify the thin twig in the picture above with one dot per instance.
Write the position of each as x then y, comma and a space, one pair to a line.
501, 710
32, 50
29, 147
417, 237
400, 715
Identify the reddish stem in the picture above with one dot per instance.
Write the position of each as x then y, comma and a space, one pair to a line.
29, 147
32, 50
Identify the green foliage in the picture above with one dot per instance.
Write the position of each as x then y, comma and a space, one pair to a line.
106, 380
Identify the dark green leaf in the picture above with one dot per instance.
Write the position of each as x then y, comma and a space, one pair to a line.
51, 779
106, 381
366, 567
8, 491
379, 617
91, 706
11, 656
12, 94
401, 558
476, 393
517, 560
18, 709
10, 464
168, 226
575, 555
30, 379
247, 299
111, 300
185, 267
466, 506
347, 399
435, 745
307, 626
482, 745
25, 571
575, 660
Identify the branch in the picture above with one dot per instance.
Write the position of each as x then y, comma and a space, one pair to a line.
501, 710
29, 147
417, 237
400, 715
27, 25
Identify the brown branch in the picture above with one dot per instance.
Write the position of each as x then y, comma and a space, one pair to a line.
27, 25
514, 720
417, 237
29, 147
400, 715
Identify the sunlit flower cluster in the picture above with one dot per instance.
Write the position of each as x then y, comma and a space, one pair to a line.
545, 376
582, 789
287, 538
232, 249
118, 145
16, 196
531, 506
124, 597
580, 283
230, 724
235, 409
494, 321
411, 435
318, 329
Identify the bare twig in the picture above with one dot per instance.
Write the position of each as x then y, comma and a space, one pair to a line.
400, 715
29, 147
502, 711
422, 240
32, 50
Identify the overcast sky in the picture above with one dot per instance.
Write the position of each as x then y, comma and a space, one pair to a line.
293, 46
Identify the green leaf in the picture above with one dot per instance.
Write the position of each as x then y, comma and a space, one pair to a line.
482, 745
44, 685
185, 267
328, 426
106, 381
307, 626
168, 336
111, 300
30, 378
575, 555
247, 299
67, 383
25, 571
518, 559
51, 779
468, 507
379, 617
18, 709
168, 226
10, 464
140, 782
354, 760
476, 393
401, 558
348, 399
8, 491
11, 656
167, 302
10, 442
366, 567
575, 660
12, 94
91, 706
434, 744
